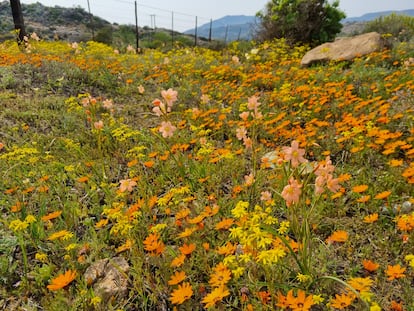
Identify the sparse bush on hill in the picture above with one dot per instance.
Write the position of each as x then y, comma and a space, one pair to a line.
401, 27
105, 35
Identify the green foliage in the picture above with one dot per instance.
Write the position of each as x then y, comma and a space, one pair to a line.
59, 15
300, 21
123, 35
105, 35
401, 27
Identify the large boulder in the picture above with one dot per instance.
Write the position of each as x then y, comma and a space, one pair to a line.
345, 48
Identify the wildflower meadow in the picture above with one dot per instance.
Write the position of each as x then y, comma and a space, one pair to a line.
208, 180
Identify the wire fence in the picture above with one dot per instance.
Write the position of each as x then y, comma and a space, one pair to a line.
123, 11
143, 15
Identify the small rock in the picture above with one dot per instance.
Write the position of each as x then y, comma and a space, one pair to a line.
107, 276
406, 207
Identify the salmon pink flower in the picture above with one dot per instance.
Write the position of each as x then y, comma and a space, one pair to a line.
333, 184
241, 133
247, 142
265, 196
127, 184
141, 89
253, 103
291, 193
107, 104
325, 169
204, 99
167, 129
244, 115
319, 184
159, 108
34, 36
249, 179
131, 49
294, 154
98, 125
170, 96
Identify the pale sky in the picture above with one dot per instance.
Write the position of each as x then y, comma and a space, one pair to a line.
185, 11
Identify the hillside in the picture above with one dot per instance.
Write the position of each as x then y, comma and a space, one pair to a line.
371, 16
73, 24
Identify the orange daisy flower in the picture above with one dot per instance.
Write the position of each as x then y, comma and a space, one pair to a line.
227, 249
395, 306
215, 296
383, 195
299, 303
281, 301
51, 216
153, 245
264, 296
369, 219
342, 301
132, 163
187, 232
360, 188
395, 272
361, 284
178, 261
344, 177
405, 222
364, 199
395, 163
62, 280
224, 224
149, 164
338, 236
83, 179
181, 294
177, 278
187, 249
369, 265
221, 275
125, 247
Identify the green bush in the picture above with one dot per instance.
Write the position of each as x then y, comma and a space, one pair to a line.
299, 21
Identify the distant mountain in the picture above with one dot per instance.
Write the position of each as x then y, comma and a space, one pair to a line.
371, 16
227, 28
